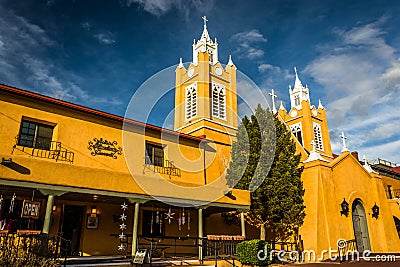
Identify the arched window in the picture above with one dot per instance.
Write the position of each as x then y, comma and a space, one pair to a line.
318, 136
218, 101
191, 101
296, 130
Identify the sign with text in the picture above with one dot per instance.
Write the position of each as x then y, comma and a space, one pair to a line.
140, 255
30, 209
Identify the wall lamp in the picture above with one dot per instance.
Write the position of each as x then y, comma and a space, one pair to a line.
54, 208
6, 162
229, 194
93, 210
375, 211
345, 208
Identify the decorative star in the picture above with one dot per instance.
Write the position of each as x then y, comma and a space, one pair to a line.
169, 216
123, 217
122, 226
124, 206
122, 236
121, 247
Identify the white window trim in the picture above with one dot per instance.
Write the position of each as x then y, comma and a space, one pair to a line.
297, 125
220, 88
319, 141
193, 111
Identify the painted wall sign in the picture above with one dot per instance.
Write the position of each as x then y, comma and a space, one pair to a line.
102, 147
30, 209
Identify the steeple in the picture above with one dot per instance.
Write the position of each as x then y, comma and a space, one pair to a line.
205, 44
299, 93
297, 82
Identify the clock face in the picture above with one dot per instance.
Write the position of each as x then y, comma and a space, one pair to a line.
218, 71
314, 112
190, 72
293, 113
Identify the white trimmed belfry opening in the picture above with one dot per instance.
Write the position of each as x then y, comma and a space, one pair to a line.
218, 101
318, 136
191, 101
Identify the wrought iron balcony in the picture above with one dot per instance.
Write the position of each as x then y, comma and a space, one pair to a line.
53, 151
166, 168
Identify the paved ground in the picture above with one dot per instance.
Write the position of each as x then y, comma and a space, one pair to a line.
346, 264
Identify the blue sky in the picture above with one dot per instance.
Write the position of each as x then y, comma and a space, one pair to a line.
97, 53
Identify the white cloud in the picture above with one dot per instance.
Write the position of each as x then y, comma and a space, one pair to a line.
160, 7
361, 76
248, 43
24, 62
105, 38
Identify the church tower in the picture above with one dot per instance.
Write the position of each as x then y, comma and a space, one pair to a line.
205, 93
306, 122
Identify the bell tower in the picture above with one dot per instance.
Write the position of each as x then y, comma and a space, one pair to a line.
205, 93
306, 122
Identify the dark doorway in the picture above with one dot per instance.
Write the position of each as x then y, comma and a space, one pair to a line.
72, 228
360, 226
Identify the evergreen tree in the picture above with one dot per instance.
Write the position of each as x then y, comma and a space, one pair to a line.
271, 174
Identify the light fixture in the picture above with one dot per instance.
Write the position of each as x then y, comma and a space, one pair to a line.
6, 162
229, 194
345, 208
54, 207
375, 211
93, 210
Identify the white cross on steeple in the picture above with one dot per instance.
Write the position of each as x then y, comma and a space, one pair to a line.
273, 95
344, 142
205, 21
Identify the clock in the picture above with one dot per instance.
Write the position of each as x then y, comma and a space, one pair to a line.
218, 71
293, 113
314, 112
190, 72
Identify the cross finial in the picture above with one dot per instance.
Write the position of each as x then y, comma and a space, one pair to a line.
273, 95
205, 21
344, 142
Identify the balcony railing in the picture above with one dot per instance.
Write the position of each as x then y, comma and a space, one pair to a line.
167, 168
55, 151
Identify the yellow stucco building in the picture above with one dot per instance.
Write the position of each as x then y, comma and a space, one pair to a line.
66, 170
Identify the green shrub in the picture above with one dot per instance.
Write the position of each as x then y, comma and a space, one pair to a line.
248, 251
26, 251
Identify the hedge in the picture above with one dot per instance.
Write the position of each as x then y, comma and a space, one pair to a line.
248, 252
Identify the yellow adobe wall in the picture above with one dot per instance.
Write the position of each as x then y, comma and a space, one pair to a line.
326, 185
75, 129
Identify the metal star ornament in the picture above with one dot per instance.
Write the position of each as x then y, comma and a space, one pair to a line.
169, 216
122, 236
123, 217
121, 247
124, 206
122, 226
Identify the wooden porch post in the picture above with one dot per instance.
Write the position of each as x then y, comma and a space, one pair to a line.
135, 229
200, 217
49, 212
242, 224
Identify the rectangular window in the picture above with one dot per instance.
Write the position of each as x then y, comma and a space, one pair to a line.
35, 135
154, 155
